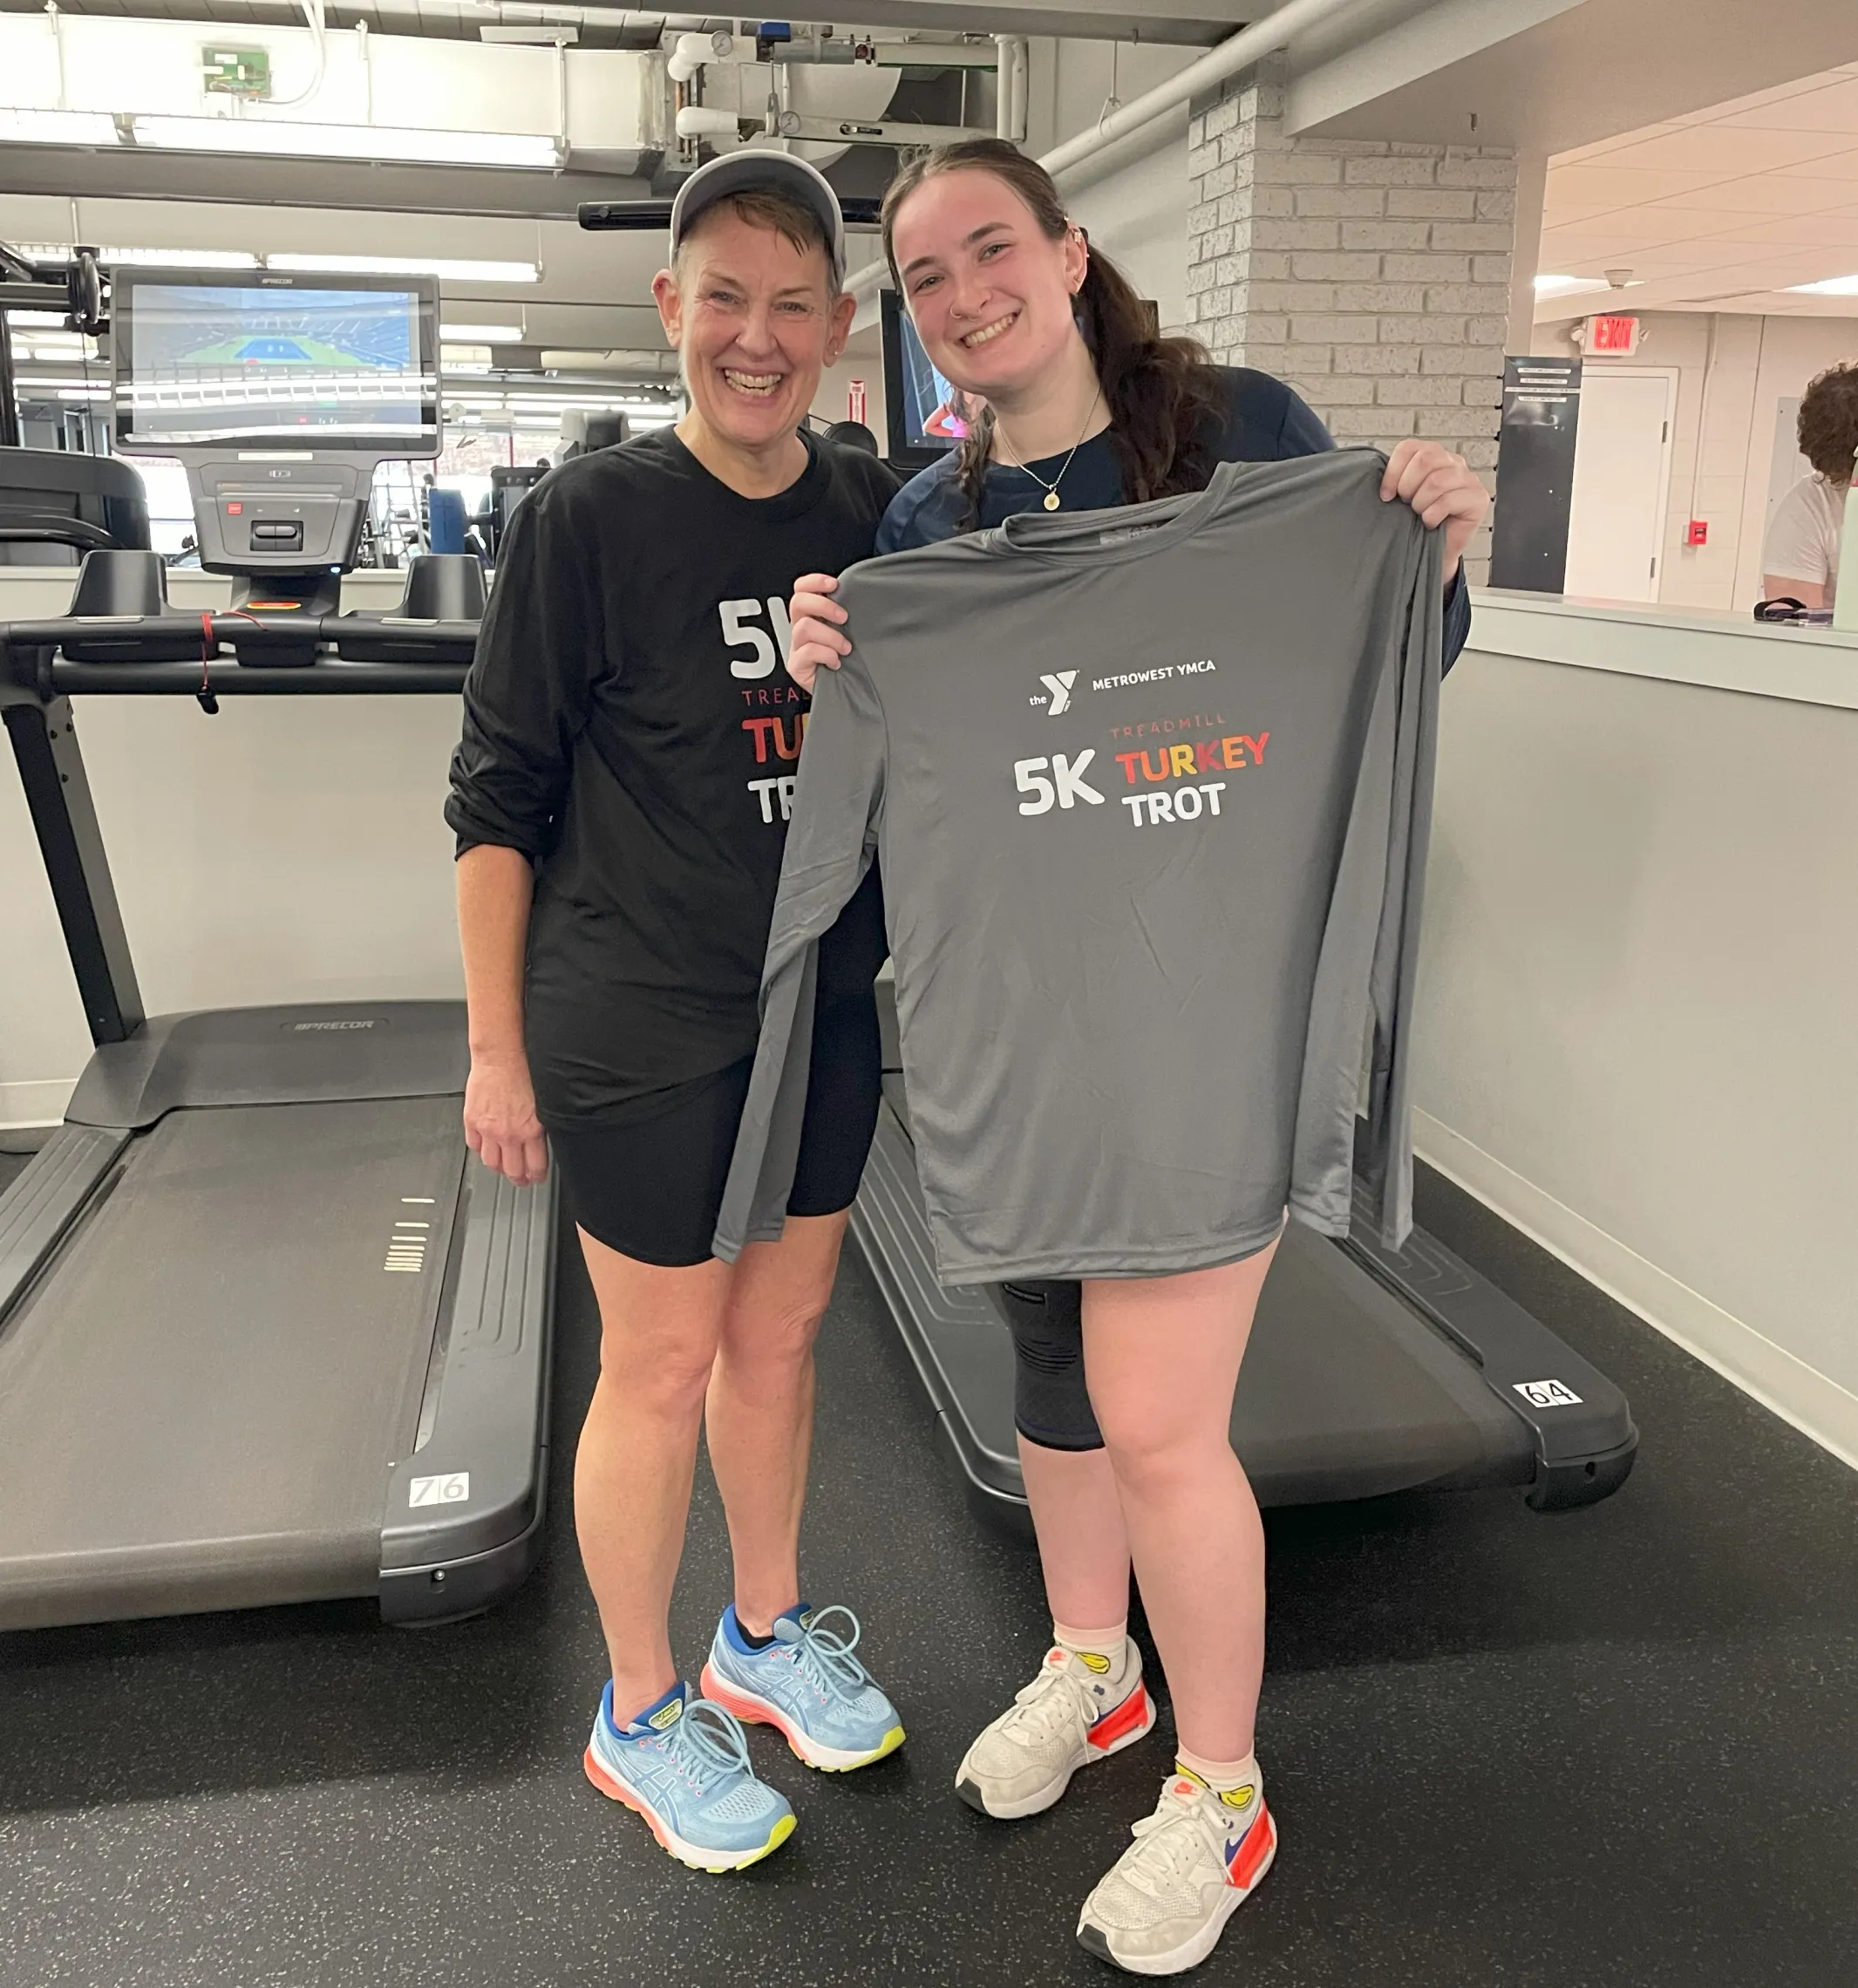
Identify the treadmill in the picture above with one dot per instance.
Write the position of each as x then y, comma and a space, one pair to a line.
269, 1332
1368, 1370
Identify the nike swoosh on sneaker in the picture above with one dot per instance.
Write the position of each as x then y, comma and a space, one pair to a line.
1245, 1853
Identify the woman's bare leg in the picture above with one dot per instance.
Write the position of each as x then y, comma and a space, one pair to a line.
1083, 1546
659, 1330
1162, 1356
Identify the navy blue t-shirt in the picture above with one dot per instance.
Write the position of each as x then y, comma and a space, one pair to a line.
1265, 422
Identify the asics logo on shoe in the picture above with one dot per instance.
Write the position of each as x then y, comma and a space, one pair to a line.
1059, 686
667, 1715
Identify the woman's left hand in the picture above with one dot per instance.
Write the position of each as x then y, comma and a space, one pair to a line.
1442, 488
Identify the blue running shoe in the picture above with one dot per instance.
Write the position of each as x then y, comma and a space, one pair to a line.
683, 1764
807, 1684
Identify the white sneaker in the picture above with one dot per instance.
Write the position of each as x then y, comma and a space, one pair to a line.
1062, 1720
1163, 1905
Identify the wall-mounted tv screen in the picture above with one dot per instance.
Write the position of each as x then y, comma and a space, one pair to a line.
926, 414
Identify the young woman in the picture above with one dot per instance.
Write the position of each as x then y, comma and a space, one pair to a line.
620, 798
1125, 1384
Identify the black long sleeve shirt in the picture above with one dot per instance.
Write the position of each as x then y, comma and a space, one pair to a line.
630, 726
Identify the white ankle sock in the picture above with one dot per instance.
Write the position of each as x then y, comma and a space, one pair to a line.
1106, 1653
1235, 1782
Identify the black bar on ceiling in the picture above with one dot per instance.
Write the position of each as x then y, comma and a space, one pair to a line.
641, 216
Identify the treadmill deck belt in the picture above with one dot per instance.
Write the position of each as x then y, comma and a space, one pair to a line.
1347, 1391
229, 1347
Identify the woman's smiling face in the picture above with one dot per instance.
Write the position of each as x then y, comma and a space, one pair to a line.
989, 291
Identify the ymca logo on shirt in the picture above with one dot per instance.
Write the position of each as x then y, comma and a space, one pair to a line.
1059, 685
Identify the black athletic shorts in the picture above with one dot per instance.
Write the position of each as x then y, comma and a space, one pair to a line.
648, 1181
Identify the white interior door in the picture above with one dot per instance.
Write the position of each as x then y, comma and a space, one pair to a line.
1622, 482
1788, 464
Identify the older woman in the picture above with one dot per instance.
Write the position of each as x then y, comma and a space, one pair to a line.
620, 799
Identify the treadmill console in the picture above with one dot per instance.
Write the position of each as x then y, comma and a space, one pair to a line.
280, 394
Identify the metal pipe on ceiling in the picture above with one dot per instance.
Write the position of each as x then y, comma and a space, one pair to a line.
1218, 65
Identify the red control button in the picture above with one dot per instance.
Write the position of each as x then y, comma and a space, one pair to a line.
235, 510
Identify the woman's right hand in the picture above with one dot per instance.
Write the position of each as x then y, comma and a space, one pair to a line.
815, 620
500, 1125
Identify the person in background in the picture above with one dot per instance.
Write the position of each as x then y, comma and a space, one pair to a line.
1800, 559
954, 421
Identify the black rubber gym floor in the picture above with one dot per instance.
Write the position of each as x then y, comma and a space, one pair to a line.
1614, 1746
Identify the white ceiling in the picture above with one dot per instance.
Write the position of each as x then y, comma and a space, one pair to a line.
1720, 209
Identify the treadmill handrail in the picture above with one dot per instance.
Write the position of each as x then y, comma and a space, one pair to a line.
32, 658
289, 654
327, 676
49, 527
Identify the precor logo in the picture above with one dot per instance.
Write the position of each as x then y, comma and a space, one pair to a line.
325, 1028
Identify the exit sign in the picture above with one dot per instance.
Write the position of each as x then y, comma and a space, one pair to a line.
1616, 338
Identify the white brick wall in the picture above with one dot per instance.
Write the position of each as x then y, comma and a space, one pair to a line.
1373, 277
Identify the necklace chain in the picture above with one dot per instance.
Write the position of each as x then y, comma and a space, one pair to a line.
1051, 488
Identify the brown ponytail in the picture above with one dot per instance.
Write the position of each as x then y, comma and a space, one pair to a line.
1162, 393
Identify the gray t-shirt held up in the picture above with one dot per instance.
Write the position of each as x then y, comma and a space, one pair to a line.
1150, 789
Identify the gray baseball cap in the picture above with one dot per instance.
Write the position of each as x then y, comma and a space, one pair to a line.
751, 169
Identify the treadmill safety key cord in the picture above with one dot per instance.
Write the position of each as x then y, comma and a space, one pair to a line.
209, 647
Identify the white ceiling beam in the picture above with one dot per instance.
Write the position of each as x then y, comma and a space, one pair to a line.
1407, 49
1607, 66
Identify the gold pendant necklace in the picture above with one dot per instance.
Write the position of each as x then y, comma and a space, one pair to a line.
1051, 488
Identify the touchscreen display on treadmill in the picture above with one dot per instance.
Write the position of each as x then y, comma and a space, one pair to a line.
220, 363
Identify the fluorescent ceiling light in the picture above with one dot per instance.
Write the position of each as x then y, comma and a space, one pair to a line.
58, 128
481, 334
181, 258
277, 138
446, 267
52, 318
158, 258
1569, 286
1832, 286
84, 394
